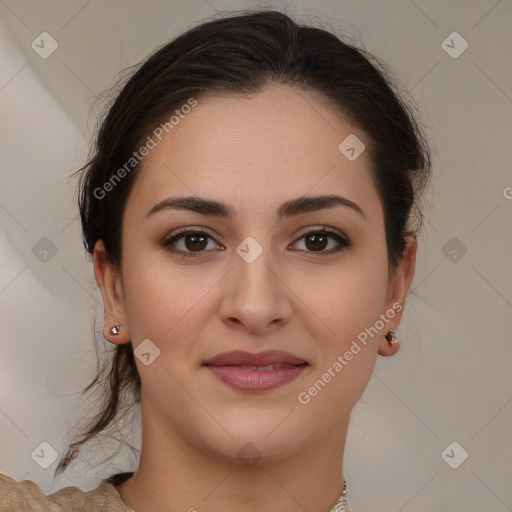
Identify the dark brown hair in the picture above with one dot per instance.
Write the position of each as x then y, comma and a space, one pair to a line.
241, 54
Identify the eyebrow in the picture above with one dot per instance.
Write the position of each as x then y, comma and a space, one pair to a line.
304, 204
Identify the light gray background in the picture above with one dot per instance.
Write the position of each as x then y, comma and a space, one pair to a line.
450, 381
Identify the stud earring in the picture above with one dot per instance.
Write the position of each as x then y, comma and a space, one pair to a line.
391, 337
115, 330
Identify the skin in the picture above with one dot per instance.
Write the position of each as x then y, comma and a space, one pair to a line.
252, 152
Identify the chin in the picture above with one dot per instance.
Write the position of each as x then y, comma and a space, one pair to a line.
257, 440
256, 451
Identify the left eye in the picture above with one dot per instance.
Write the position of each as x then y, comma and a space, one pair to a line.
319, 240
195, 242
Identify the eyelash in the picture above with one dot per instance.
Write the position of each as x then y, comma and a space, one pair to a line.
167, 244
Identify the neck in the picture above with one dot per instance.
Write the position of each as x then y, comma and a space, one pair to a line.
176, 475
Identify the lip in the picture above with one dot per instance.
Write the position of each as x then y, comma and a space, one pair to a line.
243, 358
234, 369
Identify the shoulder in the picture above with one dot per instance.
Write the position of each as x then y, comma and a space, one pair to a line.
28, 496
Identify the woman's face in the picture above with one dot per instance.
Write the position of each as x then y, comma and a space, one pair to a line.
257, 278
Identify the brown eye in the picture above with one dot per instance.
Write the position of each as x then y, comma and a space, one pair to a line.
195, 242
190, 242
316, 241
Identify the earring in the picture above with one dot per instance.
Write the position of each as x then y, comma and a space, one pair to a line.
391, 337
115, 330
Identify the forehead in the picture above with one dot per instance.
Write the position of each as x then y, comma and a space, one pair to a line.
256, 150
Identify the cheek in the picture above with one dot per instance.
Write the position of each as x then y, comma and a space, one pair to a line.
349, 310
347, 297
349, 302
164, 301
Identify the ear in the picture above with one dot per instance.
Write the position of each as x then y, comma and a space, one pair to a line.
399, 283
110, 282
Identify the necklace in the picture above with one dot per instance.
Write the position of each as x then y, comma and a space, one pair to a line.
341, 505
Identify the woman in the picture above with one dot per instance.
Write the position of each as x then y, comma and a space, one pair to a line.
251, 206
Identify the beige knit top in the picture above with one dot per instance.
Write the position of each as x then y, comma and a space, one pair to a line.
27, 496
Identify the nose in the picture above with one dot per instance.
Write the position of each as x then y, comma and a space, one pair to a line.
255, 297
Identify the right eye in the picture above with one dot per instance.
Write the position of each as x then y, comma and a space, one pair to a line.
193, 242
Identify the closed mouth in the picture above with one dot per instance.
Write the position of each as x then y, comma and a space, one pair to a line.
266, 360
256, 372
